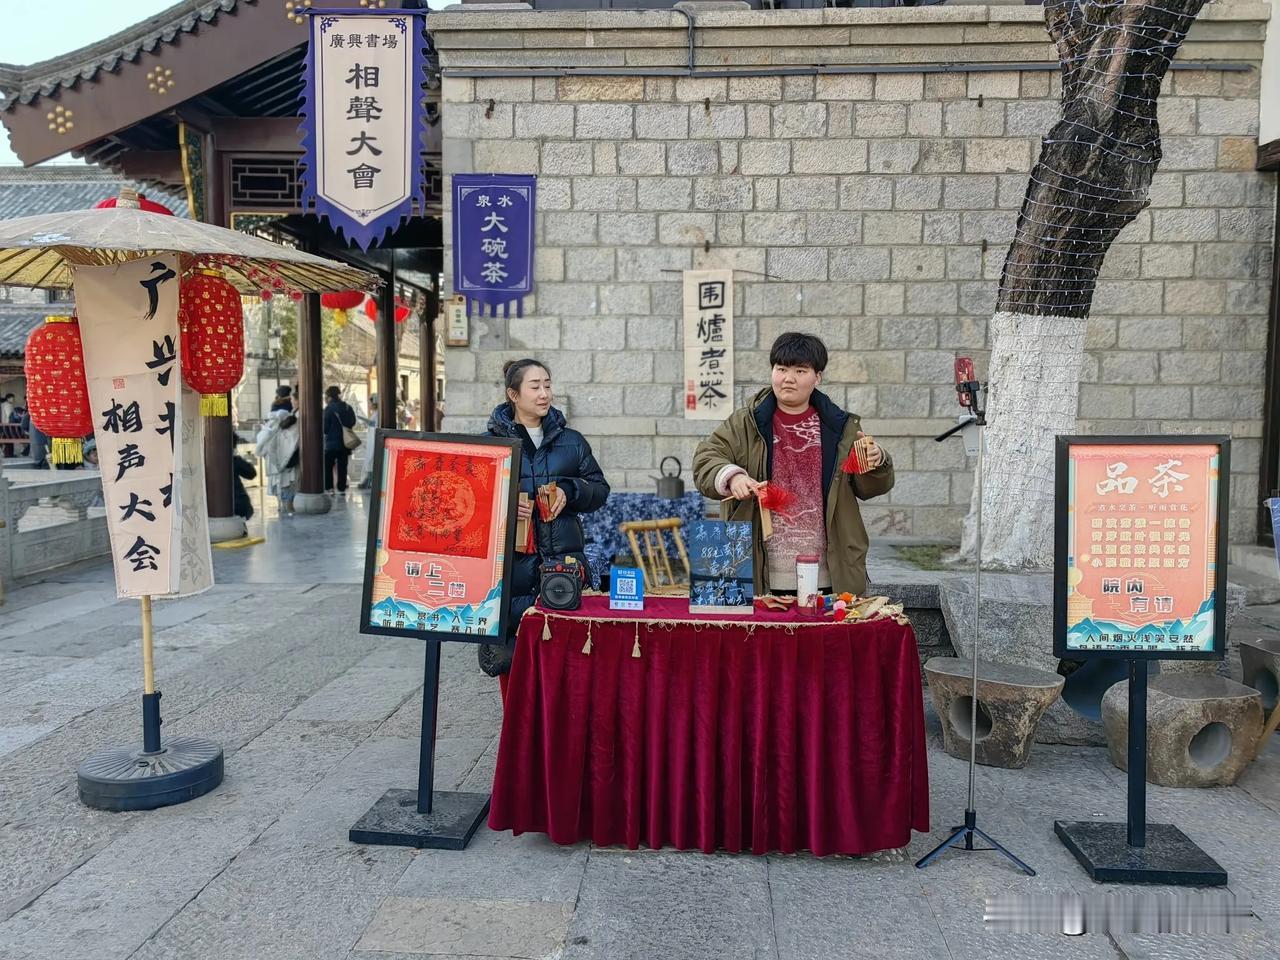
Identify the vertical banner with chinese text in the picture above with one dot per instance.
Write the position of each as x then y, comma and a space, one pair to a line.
708, 344
493, 231
364, 121
1140, 546
147, 427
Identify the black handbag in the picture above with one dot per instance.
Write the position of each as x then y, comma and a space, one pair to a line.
495, 658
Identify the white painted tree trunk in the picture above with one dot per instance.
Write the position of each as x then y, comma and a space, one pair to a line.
1034, 387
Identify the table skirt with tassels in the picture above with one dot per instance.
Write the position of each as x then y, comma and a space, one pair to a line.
762, 733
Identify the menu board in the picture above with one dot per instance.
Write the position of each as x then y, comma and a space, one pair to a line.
721, 567
1140, 547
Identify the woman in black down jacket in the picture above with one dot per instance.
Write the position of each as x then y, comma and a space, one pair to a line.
551, 451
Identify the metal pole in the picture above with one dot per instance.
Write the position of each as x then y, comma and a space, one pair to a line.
150, 698
1137, 753
977, 620
427, 745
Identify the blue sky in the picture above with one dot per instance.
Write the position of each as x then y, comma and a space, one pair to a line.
29, 34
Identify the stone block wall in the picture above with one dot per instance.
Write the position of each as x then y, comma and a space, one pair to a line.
874, 209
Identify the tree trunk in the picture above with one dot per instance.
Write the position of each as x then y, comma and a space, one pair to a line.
1091, 181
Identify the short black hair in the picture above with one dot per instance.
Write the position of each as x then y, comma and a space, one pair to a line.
798, 350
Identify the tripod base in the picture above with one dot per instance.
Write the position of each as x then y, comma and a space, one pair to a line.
1169, 856
962, 839
394, 821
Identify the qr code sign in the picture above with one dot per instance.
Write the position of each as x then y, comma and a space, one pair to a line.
627, 587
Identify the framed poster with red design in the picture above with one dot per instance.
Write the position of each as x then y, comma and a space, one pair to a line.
1141, 547
441, 530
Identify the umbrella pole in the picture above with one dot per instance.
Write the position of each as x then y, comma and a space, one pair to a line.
150, 699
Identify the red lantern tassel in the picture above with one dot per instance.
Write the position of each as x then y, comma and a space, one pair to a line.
214, 405
67, 450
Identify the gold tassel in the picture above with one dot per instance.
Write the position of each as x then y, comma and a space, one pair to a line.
586, 647
635, 647
67, 450
213, 405
546, 627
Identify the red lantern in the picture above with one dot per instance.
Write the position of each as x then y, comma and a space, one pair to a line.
341, 302
147, 206
57, 394
402, 311
211, 319
371, 308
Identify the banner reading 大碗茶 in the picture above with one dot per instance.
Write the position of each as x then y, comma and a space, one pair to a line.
147, 427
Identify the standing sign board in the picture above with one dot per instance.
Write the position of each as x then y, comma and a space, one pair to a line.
1140, 566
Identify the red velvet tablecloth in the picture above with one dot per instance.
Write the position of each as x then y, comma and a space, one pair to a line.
767, 734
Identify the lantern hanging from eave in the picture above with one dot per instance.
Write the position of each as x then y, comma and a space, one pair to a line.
402, 311
340, 302
57, 394
211, 321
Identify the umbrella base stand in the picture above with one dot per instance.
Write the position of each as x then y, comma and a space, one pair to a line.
150, 776
395, 820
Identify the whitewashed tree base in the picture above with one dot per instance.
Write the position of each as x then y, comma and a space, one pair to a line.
222, 529
312, 503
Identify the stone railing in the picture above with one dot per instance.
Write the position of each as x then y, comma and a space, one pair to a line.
50, 522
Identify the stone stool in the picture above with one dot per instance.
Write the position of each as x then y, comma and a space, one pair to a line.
1011, 700
1201, 730
1261, 662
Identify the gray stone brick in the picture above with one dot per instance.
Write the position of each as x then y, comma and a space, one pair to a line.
545, 88
797, 263
899, 86
845, 87
1168, 260
836, 229
690, 89
548, 263
994, 226
1127, 366
945, 86
686, 228
932, 298
657, 89
622, 298
866, 193
544, 120
1122, 262
646, 264
894, 156
724, 121
964, 118
885, 366
1177, 116
1147, 333
1245, 297
917, 193
567, 299
931, 366
1207, 297
1129, 297
506, 156
892, 227
729, 228
1222, 116
924, 119
606, 158
808, 193
914, 332
580, 333
642, 157
829, 156
840, 120
755, 88
628, 228
978, 298
1188, 153
759, 121
1166, 190
1215, 189
880, 119
842, 300
941, 156
459, 364
767, 192
1246, 224
918, 263
554, 193
722, 193
1226, 403
1035, 118
576, 228
665, 295
565, 158
797, 88
859, 263
997, 156
1100, 333
627, 452
1247, 368
507, 89
621, 366
900, 400
604, 121
774, 228
798, 120
916, 488
662, 121
962, 333
994, 83
942, 227
589, 263
772, 299
963, 263
650, 400
653, 332
693, 157
664, 193
1105, 403
603, 193
751, 259
467, 121
884, 299
765, 157
969, 192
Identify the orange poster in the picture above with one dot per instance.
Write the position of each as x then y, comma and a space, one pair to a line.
1141, 551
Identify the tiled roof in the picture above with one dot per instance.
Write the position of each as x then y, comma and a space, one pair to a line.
23, 84
52, 189
17, 320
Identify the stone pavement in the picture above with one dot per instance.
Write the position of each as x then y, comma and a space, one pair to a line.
317, 721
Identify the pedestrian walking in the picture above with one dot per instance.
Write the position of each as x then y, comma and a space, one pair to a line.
277, 444
338, 419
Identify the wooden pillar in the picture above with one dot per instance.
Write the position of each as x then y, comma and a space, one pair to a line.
310, 401
388, 381
218, 471
427, 360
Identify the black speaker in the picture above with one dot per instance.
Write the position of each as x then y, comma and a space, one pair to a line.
562, 584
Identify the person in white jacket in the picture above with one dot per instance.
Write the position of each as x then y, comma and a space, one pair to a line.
277, 443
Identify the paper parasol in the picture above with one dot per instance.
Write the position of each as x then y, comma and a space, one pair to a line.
41, 251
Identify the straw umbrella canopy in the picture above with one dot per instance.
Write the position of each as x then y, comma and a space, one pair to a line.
41, 251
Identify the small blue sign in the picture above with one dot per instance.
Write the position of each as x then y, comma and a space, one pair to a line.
1273, 504
626, 589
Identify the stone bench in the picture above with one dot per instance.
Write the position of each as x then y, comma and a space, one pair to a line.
1011, 700
1201, 730
1261, 662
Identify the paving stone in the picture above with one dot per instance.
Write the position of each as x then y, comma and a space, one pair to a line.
498, 866
468, 927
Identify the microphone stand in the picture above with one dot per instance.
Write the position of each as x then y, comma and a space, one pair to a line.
973, 392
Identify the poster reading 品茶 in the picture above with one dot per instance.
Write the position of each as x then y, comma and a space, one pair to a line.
1140, 547
439, 536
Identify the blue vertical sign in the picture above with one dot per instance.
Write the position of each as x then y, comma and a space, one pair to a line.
493, 240
1273, 504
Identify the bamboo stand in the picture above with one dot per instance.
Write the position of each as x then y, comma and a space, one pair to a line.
126, 778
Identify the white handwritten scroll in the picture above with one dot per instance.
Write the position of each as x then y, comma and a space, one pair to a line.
708, 344
147, 427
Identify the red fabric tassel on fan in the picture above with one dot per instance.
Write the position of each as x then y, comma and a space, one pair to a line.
856, 462
776, 499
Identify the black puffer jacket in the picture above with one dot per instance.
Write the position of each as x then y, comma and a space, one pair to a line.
565, 457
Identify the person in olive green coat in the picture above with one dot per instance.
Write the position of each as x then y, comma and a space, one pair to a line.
809, 439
